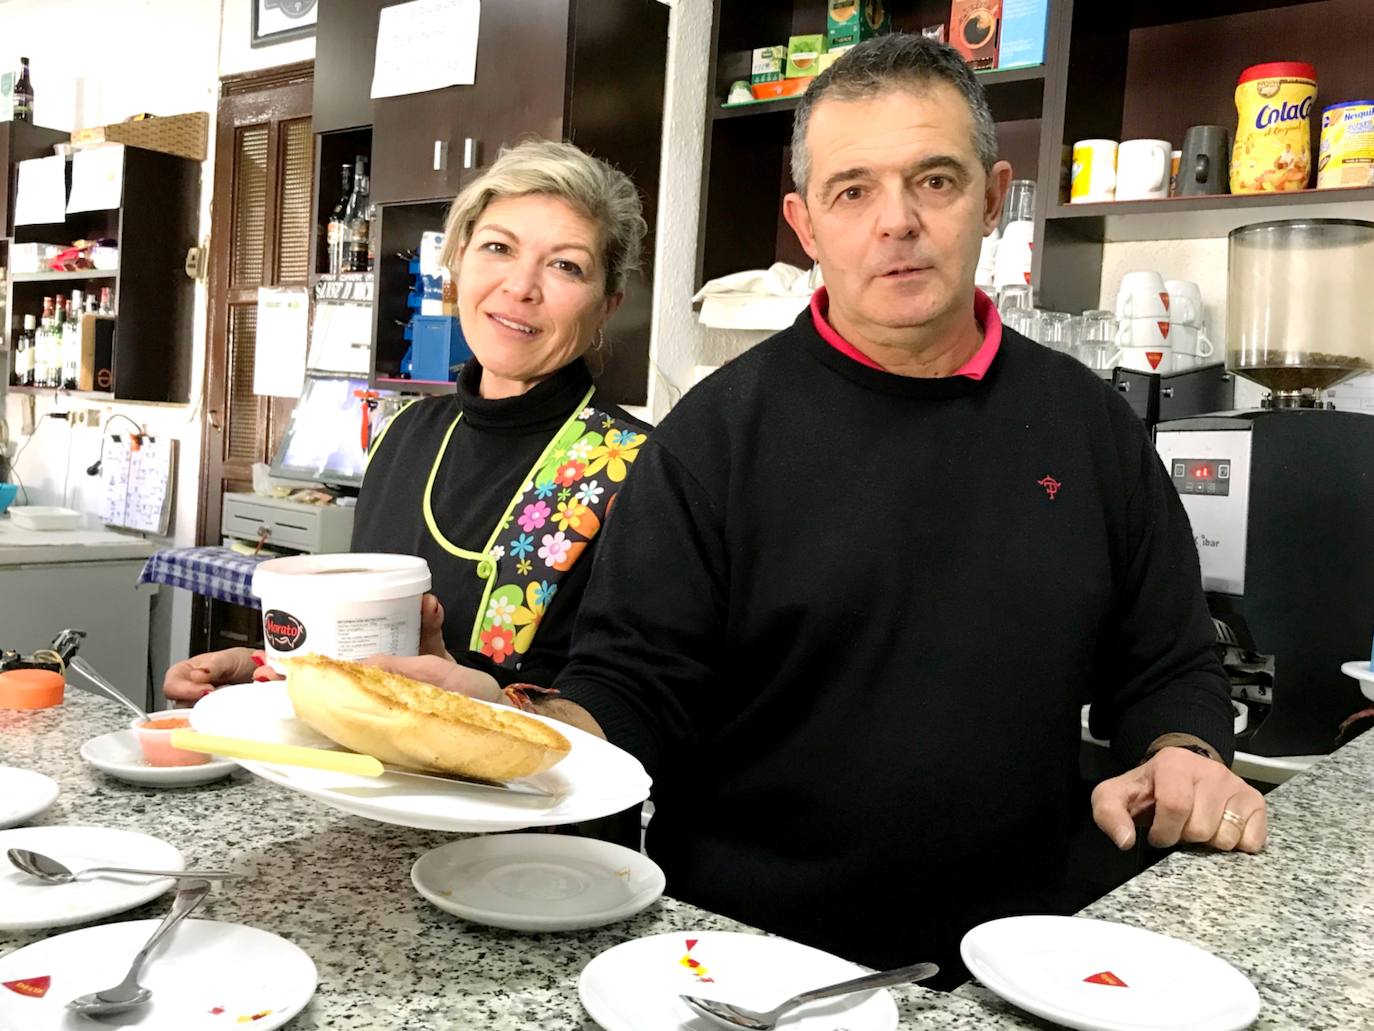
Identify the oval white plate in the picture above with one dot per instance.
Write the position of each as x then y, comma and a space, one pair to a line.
1102, 976
537, 882
595, 779
119, 755
635, 985
23, 795
1359, 669
28, 904
206, 976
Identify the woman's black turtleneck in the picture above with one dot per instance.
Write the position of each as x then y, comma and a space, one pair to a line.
487, 462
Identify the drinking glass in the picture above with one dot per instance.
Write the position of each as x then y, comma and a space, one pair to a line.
1055, 330
1013, 296
1096, 338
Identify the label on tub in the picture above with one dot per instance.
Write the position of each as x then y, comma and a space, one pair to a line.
282, 631
349, 636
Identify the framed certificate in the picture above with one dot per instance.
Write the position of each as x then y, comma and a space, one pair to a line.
275, 21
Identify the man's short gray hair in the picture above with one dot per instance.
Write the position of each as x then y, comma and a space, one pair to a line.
595, 189
899, 61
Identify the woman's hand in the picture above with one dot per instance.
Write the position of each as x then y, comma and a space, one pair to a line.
192, 679
432, 628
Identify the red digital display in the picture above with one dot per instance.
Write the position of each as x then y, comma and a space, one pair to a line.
1199, 476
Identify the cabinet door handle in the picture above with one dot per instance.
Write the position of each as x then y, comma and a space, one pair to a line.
213, 417
469, 152
440, 155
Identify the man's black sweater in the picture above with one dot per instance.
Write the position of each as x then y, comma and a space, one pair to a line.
847, 620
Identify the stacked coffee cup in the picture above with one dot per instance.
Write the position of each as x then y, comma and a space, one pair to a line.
1160, 324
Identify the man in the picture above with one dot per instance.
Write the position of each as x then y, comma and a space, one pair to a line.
863, 577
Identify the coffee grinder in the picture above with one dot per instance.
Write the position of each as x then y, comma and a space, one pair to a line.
1280, 498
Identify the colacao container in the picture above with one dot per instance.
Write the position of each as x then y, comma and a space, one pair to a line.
342, 606
1273, 146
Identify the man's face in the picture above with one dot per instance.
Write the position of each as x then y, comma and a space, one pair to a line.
896, 209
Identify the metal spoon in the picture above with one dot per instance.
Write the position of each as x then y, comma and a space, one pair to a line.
129, 993
737, 1016
83, 667
48, 869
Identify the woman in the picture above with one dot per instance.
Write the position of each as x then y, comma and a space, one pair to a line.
503, 486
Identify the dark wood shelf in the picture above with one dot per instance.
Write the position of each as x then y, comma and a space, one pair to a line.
415, 386
1150, 13
1182, 218
63, 277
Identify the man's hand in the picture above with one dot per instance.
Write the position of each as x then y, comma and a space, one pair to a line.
1192, 799
443, 673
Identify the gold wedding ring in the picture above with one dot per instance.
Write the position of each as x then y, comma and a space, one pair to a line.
1231, 816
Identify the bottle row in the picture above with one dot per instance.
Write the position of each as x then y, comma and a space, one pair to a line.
349, 230
49, 351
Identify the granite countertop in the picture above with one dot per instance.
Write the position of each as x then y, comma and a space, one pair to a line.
90, 542
1295, 919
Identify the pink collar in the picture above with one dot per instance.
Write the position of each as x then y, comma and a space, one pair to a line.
975, 368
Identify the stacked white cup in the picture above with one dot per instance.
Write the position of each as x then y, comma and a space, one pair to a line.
1188, 333
1142, 309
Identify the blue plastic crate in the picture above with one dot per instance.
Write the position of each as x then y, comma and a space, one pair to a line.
438, 348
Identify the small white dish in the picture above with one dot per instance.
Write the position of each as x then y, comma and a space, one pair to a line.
1359, 669
537, 882
23, 795
1097, 975
119, 755
205, 976
45, 517
27, 904
636, 984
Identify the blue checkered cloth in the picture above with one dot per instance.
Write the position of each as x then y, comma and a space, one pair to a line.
213, 572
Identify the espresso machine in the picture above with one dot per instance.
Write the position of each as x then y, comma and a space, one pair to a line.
1281, 498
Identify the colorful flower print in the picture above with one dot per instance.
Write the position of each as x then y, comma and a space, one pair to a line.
544, 488
616, 454
569, 473
521, 546
544, 592
590, 492
501, 612
498, 642
497, 553
524, 566
534, 516
581, 451
571, 515
555, 548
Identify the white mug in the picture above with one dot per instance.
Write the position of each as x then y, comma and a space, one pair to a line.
1014, 253
1146, 334
1142, 295
1143, 359
1094, 172
1142, 169
1185, 302
1190, 341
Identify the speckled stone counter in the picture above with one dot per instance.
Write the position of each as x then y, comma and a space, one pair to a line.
1299, 920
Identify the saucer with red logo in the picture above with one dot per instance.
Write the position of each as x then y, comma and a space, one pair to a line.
637, 984
204, 976
1102, 976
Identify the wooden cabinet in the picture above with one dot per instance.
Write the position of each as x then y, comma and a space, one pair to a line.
20, 141
590, 71
154, 226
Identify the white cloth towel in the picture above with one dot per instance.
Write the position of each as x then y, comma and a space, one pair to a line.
770, 298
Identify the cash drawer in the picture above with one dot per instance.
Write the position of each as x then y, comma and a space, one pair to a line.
278, 523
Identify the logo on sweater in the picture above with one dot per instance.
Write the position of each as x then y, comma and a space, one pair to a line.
1051, 486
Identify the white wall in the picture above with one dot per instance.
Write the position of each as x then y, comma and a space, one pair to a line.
163, 57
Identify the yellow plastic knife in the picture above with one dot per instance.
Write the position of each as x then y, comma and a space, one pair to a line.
286, 755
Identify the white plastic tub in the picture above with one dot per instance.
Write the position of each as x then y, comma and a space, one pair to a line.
343, 606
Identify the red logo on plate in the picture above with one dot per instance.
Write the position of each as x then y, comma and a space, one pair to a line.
1164, 330
1107, 978
698, 971
33, 987
1155, 357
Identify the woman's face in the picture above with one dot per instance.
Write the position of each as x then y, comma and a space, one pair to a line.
531, 290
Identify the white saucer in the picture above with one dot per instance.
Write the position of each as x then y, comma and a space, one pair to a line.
1102, 976
28, 904
635, 985
1359, 669
205, 976
119, 755
23, 795
537, 882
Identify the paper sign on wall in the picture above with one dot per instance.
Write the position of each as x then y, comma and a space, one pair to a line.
41, 198
283, 331
425, 45
136, 483
97, 178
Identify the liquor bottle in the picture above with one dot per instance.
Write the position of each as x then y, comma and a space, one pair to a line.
356, 217
71, 342
53, 376
106, 307
41, 361
23, 93
23, 357
337, 229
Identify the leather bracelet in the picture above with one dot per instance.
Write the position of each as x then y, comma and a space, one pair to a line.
1189, 746
519, 695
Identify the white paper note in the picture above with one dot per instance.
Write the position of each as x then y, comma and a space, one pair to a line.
283, 332
114, 480
41, 198
425, 45
97, 178
151, 473
341, 338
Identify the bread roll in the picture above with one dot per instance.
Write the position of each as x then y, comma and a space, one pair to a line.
409, 723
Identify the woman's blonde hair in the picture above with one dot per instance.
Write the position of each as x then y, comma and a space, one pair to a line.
600, 192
